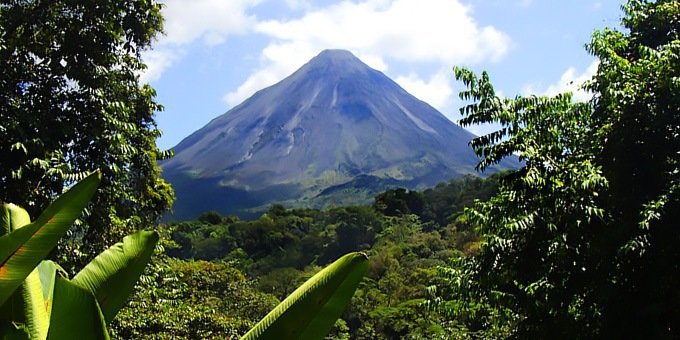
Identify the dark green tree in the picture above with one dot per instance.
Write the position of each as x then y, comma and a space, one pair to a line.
637, 112
210, 217
583, 241
71, 101
400, 202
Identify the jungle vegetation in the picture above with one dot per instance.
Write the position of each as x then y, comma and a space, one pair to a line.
581, 242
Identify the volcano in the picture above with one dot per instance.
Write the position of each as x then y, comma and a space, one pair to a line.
334, 132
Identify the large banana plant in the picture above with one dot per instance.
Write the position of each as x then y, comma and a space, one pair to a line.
312, 309
37, 301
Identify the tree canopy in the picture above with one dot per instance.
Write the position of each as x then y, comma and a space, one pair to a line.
71, 102
583, 241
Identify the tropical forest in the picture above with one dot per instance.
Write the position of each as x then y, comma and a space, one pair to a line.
562, 222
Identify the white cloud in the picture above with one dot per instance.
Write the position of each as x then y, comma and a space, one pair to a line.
298, 4
280, 61
210, 21
438, 31
373, 60
437, 91
157, 61
570, 81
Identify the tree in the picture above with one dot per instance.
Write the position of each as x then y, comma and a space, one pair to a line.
71, 101
400, 202
191, 300
637, 110
47, 305
583, 241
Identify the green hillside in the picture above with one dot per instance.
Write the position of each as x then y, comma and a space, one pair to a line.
242, 268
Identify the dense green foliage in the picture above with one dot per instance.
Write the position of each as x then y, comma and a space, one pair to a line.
36, 302
441, 204
254, 264
71, 102
582, 242
179, 299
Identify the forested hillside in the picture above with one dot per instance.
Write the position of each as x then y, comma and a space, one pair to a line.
218, 275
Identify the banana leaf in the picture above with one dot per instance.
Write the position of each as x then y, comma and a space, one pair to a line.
75, 313
12, 217
22, 249
35, 312
312, 309
112, 275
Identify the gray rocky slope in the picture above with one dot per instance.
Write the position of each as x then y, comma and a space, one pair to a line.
334, 129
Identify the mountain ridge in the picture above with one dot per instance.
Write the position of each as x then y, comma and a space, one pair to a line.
333, 119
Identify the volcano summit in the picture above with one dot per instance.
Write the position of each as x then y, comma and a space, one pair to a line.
334, 132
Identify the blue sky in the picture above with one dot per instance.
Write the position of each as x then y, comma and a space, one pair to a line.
216, 53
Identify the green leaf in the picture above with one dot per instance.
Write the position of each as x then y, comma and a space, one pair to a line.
48, 274
23, 248
112, 275
29, 307
75, 313
13, 217
22, 309
35, 311
312, 309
